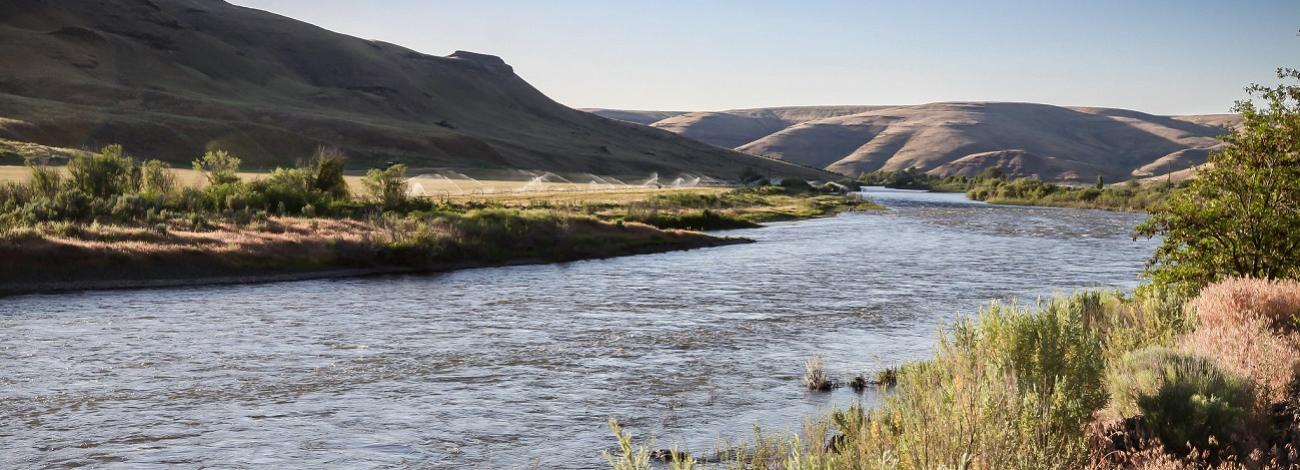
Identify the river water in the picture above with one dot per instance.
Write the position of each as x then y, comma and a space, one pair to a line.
520, 367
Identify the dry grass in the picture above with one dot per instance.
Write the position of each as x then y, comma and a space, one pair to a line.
1239, 300
1249, 327
814, 374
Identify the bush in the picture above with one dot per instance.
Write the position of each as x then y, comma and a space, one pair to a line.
219, 167
1011, 389
1184, 399
388, 185
1249, 327
814, 374
45, 181
1238, 300
104, 175
156, 179
328, 172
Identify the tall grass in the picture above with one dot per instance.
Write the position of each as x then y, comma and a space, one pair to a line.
1013, 387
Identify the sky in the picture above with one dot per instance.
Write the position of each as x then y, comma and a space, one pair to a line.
1165, 57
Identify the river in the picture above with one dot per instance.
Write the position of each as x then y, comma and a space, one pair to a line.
520, 367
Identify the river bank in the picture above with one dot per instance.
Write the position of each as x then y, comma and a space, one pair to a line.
177, 251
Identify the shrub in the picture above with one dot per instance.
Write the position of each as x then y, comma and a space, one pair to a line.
1249, 327
1238, 300
156, 178
219, 167
72, 204
1010, 389
129, 207
1184, 399
814, 374
45, 180
388, 185
327, 174
101, 176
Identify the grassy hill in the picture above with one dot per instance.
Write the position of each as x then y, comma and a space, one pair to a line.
170, 79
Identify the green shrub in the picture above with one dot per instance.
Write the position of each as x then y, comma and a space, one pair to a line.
104, 175
1010, 389
45, 180
71, 204
219, 167
388, 185
1184, 399
130, 207
327, 176
156, 178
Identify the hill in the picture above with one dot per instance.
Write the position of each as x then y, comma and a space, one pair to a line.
1053, 142
170, 79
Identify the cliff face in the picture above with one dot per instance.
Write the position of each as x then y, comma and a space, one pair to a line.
171, 78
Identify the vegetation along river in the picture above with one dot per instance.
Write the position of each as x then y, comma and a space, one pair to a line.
521, 366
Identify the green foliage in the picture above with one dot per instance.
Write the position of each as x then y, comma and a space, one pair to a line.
629, 456
219, 167
156, 179
912, 179
1011, 389
104, 175
327, 172
45, 180
1239, 215
388, 185
635, 457
1183, 399
1033, 191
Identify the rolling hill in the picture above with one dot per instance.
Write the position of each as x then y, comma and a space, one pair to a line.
964, 138
170, 79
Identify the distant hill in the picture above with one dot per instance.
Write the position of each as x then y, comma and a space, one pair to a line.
962, 138
171, 78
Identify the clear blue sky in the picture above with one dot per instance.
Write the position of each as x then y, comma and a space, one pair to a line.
1167, 57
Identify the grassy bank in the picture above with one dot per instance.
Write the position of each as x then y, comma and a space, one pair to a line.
993, 187
1130, 196
109, 220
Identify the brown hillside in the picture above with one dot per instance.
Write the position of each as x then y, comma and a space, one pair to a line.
1052, 142
171, 78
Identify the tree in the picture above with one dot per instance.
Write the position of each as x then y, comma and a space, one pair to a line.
1240, 214
220, 167
1101, 183
388, 185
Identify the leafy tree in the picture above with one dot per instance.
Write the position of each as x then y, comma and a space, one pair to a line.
1101, 183
104, 175
1240, 215
388, 185
219, 167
